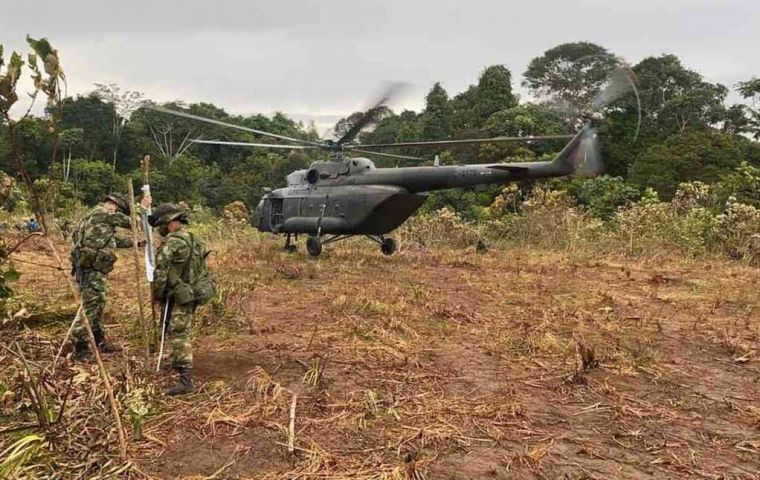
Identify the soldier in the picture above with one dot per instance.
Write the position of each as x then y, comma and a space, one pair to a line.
181, 282
92, 258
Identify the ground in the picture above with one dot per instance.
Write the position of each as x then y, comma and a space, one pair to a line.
440, 363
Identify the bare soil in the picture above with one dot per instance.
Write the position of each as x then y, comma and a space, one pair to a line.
446, 364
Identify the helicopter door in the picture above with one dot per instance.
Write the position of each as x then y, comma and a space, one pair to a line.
276, 213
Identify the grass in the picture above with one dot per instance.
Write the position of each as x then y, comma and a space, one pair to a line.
438, 362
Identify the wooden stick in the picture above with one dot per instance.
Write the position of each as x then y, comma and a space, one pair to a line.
94, 347
292, 426
40, 214
144, 168
68, 335
138, 283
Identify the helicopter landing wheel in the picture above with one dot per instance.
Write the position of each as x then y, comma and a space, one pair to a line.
314, 245
389, 246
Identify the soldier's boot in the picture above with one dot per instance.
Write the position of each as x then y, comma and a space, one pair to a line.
81, 351
184, 383
103, 346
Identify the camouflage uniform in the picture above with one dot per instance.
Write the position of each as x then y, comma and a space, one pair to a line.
173, 253
97, 231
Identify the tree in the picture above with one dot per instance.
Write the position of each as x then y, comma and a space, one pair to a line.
674, 98
69, 139
125, 103
94, 117
570, 74
93, 179
750, 90
525, 120
474, 106
344, 125
172, 136
437, 117
703, 155
494, 92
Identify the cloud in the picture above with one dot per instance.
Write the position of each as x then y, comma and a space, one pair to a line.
323, 60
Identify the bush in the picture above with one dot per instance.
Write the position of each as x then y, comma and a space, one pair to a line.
93, 179
738, 231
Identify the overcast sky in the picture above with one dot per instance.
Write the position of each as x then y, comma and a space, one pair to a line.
324, 59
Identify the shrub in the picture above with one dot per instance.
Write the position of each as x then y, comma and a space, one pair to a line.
738, 231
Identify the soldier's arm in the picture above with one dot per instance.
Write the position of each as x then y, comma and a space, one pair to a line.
123, 242
170, 259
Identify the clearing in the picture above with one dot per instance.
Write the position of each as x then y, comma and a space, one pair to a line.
438, 363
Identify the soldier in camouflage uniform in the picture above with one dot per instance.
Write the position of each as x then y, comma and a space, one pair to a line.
92, 258
172, 258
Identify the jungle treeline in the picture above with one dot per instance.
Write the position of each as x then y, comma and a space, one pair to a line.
687, 132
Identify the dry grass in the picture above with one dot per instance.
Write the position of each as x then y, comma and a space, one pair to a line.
433, 363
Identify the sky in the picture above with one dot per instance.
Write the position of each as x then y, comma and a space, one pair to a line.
322, 60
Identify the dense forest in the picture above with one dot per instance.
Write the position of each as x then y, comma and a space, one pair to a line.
688, 132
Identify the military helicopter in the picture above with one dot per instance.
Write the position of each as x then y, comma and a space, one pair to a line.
349, 196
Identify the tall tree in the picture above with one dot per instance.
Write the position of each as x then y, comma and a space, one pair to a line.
94, 116
674, 98
570, 74
125, 103
474, 106
494, 92
750, 90
437, 117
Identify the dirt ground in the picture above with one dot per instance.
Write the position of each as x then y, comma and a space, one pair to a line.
445, 364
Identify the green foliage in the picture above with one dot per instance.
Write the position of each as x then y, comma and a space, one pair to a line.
743, 184
8, 274
570, 74
182, 180
692, 155
49, 79
438, 116
8, 80
93, 179
604, 195
468, 203
494, 93
750, 90
674, 98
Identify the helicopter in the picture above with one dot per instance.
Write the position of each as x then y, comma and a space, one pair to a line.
349, 196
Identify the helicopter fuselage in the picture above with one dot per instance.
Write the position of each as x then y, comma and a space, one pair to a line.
352, 197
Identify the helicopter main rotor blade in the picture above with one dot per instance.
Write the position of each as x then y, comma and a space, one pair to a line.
249, 144
230, 125
371, 114
442, 143
619, 83
403, 157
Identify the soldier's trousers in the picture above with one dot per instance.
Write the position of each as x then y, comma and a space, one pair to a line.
92, 288
180, 328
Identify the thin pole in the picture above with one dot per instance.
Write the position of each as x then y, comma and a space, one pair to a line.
138, 283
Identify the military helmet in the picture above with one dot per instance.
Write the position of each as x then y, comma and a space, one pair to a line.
165, 213
120, 201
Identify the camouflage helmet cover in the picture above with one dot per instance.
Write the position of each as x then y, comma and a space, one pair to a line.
120, 201
165, 213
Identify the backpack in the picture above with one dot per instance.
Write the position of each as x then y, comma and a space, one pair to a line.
197, 285
85, 257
